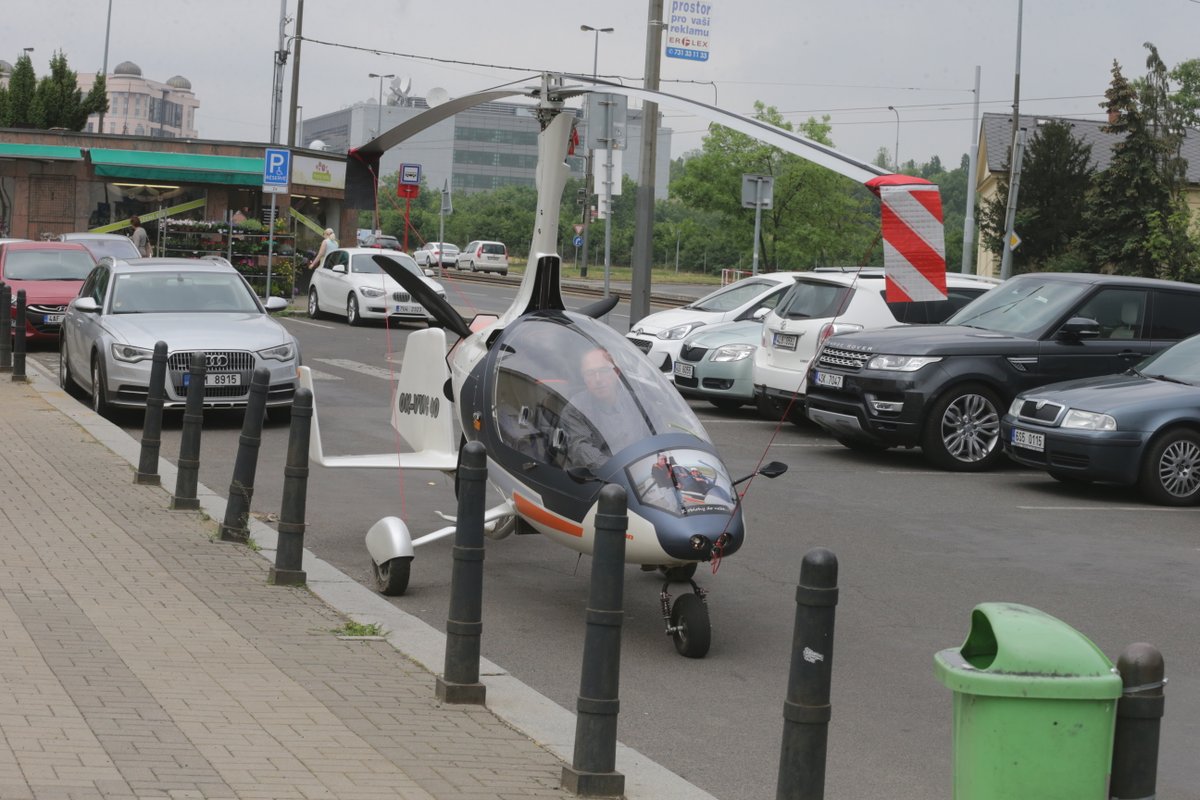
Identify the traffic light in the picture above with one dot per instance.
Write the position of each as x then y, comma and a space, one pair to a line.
580, 196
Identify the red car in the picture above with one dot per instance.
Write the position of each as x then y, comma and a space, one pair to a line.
51, 274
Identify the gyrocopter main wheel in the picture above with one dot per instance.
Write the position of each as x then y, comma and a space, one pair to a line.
690, 628
391, 577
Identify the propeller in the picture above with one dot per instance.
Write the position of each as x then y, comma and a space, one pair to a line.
599, 308
442, 311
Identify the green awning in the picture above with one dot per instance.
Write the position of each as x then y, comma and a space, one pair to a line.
42, 152
177, 167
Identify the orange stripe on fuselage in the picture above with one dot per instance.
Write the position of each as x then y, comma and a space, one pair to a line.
530, 509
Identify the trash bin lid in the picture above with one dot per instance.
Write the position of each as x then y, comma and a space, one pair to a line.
1018, 651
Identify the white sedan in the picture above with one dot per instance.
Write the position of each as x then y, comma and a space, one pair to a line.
351, 284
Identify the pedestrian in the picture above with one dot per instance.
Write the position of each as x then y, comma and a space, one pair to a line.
141, 240
328, 245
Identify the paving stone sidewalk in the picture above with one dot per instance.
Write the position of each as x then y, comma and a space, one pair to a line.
141, 658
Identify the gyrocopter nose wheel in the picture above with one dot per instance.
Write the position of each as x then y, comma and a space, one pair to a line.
687, 622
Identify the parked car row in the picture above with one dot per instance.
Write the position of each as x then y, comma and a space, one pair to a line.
477, 256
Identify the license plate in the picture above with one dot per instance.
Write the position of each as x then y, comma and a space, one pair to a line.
1029, 440
785, 341
684, 370
216, 379
828, 379
54, 319
408, 310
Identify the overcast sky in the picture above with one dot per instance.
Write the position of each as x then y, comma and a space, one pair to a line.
850, 60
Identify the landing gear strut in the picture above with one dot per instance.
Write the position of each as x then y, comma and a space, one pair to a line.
687, 621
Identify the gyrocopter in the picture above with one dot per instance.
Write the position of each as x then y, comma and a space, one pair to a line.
563, 405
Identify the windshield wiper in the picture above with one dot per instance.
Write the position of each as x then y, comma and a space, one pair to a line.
1169, 379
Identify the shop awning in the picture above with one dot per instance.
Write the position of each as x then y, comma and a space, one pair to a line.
40, 152
177, 167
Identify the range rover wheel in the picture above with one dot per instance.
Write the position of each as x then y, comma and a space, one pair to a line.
1171, 470
962, 431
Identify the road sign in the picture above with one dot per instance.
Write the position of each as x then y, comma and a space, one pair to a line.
578, 240
410, 174
277, 170
1014, 241
579, 229
409, 190
758, 191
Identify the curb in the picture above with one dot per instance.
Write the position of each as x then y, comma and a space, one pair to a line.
542, 720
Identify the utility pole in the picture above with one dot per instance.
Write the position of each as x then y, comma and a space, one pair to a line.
1010, 216
968, 253
277, 81
293, 108
643, 238
104, 69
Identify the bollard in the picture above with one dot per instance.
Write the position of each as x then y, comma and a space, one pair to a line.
189, 440
289, 552
18, 370
235, 528
6, 325
147, 471
460, 681
1139, 711
593, 768
806, 712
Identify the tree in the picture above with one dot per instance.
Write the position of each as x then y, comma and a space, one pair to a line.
1137, 220
53, 102
1056, 175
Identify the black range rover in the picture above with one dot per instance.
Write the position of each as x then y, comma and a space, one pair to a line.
944, 387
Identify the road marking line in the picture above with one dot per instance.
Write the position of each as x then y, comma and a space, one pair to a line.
1135, 509
306, 322
359, 367
318, 375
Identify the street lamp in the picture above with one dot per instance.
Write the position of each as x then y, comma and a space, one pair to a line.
587, 178
896, 152
104, 68
379, 120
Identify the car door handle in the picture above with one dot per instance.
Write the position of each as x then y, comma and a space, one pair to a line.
1130, 355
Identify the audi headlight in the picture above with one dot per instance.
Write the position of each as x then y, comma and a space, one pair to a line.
901, 363
733, 352
283, 352
131, 354
679, 331
1088, 421
370, 291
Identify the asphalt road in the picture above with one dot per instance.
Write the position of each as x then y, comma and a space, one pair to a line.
917, 549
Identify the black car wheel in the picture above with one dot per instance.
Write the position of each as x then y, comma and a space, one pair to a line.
65, 379
1171, 471
962, 431
352, 311
99, 392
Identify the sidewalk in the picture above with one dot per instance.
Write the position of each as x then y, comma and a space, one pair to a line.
141, 658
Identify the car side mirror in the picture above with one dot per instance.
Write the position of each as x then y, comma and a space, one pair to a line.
760, 313
1080, 328
276, 304
339, 268
87, 305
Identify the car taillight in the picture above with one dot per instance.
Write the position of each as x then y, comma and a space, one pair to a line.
479, 253
825, 332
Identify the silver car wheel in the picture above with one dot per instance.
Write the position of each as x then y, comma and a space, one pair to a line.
1179, 468
970, 428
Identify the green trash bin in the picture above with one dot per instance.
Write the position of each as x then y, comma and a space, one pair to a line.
1034, 708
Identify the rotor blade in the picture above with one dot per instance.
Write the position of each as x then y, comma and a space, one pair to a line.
442, 311
601, 307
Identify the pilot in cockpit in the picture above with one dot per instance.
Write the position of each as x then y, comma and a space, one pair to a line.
601, 419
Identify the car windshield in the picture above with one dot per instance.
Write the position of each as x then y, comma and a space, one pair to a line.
1024, 306
732, 297
173, 292
813, 300
117, 248
48, 265
364, 264
1180, 362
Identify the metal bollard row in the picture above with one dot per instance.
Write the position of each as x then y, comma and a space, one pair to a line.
1139, 715
147, 471
235, 527
592, 772
459, 682
6, 325
18, 370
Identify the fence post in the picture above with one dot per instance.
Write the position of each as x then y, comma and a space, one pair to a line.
806, 712
235, 528
1139, 715
18, 371
459, 682
6, 325
188, 473
289, 551
147, 471
593, 768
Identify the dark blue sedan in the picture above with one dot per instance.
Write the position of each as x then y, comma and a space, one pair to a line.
1141, 427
